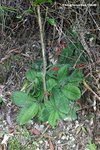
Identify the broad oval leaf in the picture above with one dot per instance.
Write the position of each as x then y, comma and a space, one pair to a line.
71, 92
39, 75
72, 115
44, 115
50, 105
76, 77
60, 101
21, 99
31, 75
50, 84
27, 113
53, 118
62, 72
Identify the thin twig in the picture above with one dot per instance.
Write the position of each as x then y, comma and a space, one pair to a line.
43, 52
89, 88
82, 40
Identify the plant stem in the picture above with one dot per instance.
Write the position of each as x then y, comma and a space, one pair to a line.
43, 53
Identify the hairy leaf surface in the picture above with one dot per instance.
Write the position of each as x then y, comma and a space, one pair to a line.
72, 92
21, 99
27, 113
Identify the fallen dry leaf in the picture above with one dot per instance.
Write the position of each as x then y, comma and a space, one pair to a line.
59, 148
8, 118
51, 145
35, 131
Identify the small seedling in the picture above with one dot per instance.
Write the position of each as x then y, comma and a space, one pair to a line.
62, 90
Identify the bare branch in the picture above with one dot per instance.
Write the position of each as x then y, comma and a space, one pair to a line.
43, 53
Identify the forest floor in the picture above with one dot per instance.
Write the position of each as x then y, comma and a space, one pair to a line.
68, 135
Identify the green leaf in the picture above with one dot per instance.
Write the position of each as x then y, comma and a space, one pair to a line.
64, 107
39, 75
27, 113
60, 101
36, 81
50, 105
53, 118
62, 115
51, 21
73, 114
31, 75
59, 106
50, 84
71, 92
76, 77
21, 99
44, 115
62, 72
91, 146
39, 95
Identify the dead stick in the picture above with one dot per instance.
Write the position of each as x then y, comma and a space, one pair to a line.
43, 53
89, 88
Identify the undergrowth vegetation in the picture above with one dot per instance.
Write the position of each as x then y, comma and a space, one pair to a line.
62, 82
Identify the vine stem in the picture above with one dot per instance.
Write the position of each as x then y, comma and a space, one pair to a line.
43, 52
